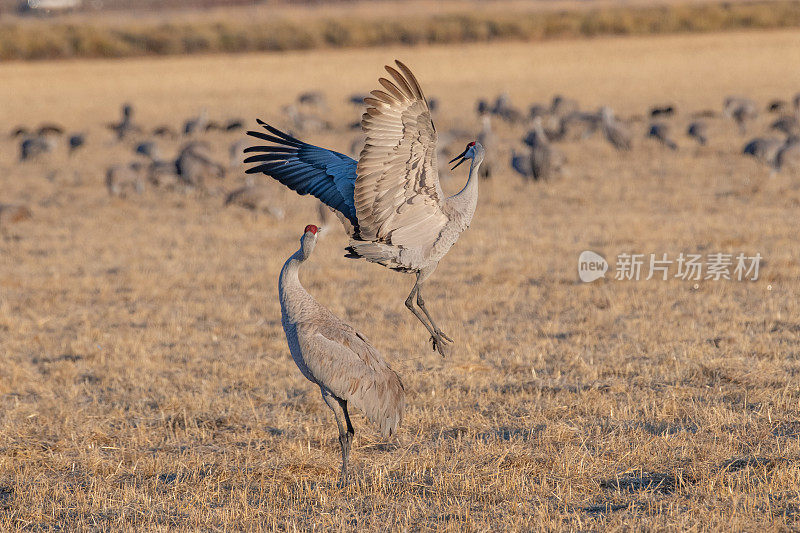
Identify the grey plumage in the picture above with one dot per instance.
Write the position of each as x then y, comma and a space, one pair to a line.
662, 111
125, 127
788, 155
615, 132
521, 163
390, 201
742, 110
660, 132
545, 159
123, 179
34, 147
256, 198
195, 165
338, 359
197, 124
149, 149
787, 124
764, 149
698, 130
562, 106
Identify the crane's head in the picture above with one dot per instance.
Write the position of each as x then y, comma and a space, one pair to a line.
473, 150
308, 240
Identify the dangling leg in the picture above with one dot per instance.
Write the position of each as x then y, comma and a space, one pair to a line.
421, 304
410, 305
437, 341
345, 437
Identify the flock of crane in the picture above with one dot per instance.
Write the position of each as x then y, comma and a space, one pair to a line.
389, 201
531, 149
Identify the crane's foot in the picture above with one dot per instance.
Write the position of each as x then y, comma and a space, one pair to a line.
344, 480
439, 345
442, 335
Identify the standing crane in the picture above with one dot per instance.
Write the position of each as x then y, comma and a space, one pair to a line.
615, 131
390, 201
545, 159
331, 354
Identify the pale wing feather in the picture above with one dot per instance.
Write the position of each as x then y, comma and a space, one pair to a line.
397, 196
355, 371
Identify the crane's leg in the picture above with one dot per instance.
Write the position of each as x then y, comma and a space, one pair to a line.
421, 304
345, 430
348, 438
437, 337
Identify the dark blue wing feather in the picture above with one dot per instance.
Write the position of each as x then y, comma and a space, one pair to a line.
306, 169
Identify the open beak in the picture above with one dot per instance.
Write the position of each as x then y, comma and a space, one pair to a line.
460, 157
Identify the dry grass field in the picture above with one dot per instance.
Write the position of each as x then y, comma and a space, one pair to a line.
145, 380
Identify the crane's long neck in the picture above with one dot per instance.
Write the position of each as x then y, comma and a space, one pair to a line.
466, 200
289, 287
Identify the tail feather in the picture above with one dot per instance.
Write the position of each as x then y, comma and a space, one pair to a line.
382, 401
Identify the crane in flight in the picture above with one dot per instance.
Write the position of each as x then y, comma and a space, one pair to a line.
390, 200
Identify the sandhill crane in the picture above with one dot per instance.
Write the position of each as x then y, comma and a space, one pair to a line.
788, 156
194, 165
577, 126
197, 124
537, 110
121, 179
616, 133
33, 147
544, 158
741, 110
236, 153
125, 126
562, 106
357, 99
234, 124
521, 163
662, 111
305, 122
256, 198
502, 108
698, 130
149, 149
313, 99
390, 202
786, 124
763, 149
660, 132
338, 359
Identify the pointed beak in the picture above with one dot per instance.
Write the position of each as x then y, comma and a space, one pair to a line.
459, 157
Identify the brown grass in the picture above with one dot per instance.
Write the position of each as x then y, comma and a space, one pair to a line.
274, 28
146, 384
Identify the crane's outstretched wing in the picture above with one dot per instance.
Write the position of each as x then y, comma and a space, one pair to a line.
398, 198
355, 371
307, 169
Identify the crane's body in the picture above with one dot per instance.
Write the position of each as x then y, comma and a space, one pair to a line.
616, 133
335, 357
390, 200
